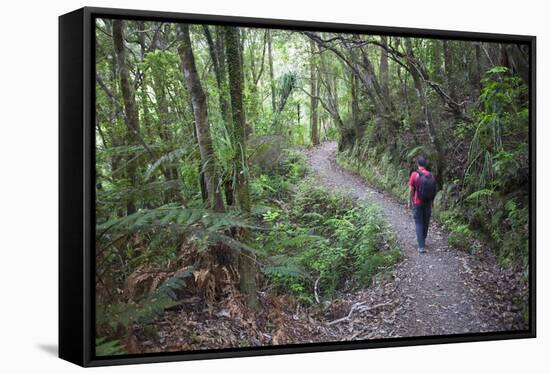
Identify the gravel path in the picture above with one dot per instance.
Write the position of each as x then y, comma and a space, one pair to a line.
441, 292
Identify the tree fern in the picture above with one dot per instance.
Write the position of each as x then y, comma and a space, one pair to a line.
172, 215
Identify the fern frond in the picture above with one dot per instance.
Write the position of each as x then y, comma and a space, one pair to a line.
168, 158
416, 151
104, 347
175, 215
149, 308
287, 270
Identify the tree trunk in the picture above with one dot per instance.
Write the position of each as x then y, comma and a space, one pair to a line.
200, 112
314, 103
437, 66
384, 71
328, 79
130, 109
217, 55
171, 173
218, 62
238, 116
247, 265
355, 107
449, 69
479, 69
143, 90
141, 38
374, 89
428, 118
271, 73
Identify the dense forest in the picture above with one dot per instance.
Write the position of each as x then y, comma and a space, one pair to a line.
212, 228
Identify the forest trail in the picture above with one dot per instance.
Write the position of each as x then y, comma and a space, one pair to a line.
268, 259
441, 292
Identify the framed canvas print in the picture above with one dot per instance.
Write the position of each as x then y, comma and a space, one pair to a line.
234, 186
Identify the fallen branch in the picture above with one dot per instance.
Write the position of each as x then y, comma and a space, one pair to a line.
315, 289
356, 306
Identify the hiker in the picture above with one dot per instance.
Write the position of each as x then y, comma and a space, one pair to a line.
422, 189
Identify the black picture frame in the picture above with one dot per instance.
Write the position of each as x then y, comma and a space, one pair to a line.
77, 200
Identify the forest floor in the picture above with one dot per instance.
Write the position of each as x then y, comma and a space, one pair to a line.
441, 292
444, 291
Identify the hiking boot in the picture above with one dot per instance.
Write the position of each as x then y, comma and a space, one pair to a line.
421, 250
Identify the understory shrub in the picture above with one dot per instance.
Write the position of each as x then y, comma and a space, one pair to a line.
323, 240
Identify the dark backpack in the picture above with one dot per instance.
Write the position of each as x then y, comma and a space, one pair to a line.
426, 186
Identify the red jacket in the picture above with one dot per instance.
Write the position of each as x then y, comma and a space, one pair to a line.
414, 180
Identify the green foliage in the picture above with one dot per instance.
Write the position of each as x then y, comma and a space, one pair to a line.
460, 236
496, 176
170, 220
418, 150
498, 151
380, 171
277, 184
478, 194
183, 154
104, 347
271, 215
515, 240
175, 217
477, 204
324, 238
163, 228
294, 164
284, 87
145, 310
148, 195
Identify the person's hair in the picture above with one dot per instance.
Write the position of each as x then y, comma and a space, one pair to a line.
421, 161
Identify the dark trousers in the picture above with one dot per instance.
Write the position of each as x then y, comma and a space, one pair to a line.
422, 214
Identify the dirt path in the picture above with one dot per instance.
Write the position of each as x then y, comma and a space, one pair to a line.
441, 292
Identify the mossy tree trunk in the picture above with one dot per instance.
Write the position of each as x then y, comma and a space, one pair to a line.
384, 70
271, 71
247, 263
130, 109
217, 55
428, 116
314, 103
200, 112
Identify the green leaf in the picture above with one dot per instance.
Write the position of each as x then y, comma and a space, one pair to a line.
476, 195
103, 347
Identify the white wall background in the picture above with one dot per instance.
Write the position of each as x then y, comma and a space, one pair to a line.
28, 183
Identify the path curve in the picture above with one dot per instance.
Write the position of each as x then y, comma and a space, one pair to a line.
444, 291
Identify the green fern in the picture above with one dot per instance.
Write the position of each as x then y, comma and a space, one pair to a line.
288, 270
171, 157
481, 193
171, 215
147, 309
416, 151
104, 347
